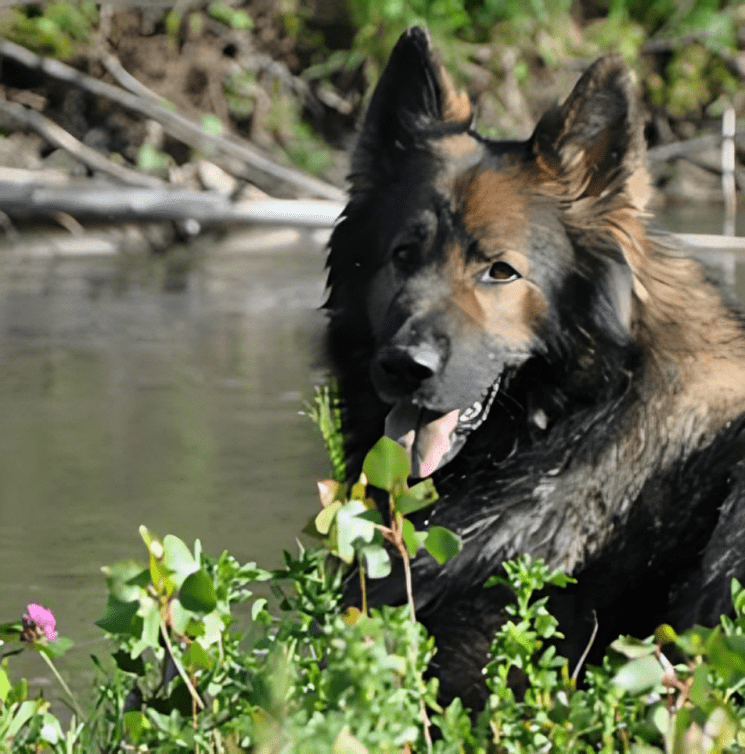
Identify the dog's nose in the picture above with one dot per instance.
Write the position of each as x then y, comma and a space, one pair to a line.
410, 365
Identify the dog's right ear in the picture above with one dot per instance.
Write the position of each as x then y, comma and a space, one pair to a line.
415, 100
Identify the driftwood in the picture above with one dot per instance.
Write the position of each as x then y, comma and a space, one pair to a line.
58, 137
20, 198
117, 203
238, 158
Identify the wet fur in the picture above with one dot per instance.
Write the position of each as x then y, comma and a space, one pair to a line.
615, 446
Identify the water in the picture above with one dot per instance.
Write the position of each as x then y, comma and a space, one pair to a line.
159, 392
131, 396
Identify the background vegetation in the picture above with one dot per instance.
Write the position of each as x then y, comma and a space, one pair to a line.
293, 75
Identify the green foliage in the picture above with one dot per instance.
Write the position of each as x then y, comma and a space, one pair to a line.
57, 28
325, 413
230, 16
310, 676
351, 525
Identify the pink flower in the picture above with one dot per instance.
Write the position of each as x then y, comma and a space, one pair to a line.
38, 623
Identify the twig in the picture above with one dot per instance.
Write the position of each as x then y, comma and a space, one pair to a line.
582, 659
242, 160
184, 676
62, 683
58, 137
125, 79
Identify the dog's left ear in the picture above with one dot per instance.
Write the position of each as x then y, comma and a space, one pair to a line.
415, 100
593, 145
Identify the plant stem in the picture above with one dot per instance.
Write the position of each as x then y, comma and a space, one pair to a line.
184, 677
363, 589
409, 587
66, 688
400, 545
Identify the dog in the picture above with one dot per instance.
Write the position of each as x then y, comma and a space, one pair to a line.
573, 384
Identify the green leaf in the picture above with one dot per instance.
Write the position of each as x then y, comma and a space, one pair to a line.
413, 539
178, 559
213, 629
233, 17
258, 607
693, 642
150, 635
195, 657
386, 465
632, 648
126, 579
118, 615
726, 653
442, 544
11, 631
25, 713
129, 664
54, 649
417, 497
136, 724
377, 561
152, 159
4, 685
198, 593
326, 517
639, 675
701, 688
346, 743
352, 528
211, 124
738, 597
180, 618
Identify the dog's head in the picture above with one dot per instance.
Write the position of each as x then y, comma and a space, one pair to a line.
460, 259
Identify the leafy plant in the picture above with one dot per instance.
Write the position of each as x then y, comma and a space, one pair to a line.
353, 526
57, 28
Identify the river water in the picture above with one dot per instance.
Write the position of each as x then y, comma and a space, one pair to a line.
162, 392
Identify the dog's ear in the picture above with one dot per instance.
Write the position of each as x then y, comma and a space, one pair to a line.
415, 100
593, 145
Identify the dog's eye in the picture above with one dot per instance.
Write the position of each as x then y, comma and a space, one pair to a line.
500, 272
406, 255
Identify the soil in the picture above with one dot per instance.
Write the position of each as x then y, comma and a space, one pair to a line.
189, 70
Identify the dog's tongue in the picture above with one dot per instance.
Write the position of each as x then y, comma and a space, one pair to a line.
424, 434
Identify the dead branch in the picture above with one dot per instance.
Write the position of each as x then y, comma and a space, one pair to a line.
58, 137
238, 158
686, 148
116, 204
126, 80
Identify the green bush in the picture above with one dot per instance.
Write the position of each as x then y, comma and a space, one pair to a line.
310, 675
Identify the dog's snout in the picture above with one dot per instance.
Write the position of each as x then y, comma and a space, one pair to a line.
410, 365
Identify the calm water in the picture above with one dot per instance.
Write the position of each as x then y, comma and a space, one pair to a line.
130, 396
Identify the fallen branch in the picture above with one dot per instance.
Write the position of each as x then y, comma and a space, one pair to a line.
238, 158
686, 148
60, 138
116, 204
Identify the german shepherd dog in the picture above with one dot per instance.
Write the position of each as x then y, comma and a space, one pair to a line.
574, 385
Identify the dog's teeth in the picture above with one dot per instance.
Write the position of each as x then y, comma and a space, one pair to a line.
471, 412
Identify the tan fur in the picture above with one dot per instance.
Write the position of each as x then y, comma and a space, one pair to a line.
456, 106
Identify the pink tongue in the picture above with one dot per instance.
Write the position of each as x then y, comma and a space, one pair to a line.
424, 434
